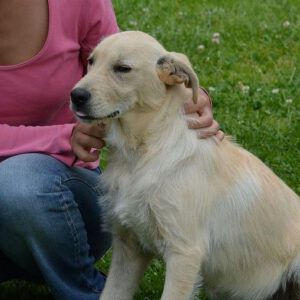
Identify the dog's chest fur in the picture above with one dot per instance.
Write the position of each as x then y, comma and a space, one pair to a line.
142, 187
131, 207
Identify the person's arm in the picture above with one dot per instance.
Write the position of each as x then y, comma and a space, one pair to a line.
53, 140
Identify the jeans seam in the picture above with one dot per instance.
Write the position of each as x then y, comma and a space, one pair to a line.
74, 234
71, 226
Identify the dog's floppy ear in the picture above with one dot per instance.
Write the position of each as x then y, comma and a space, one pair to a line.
175, 68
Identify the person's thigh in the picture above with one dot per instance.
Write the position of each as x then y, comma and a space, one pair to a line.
50, 220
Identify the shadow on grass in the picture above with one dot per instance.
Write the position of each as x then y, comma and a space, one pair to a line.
23, 290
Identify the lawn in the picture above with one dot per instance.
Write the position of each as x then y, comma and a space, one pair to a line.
251, 70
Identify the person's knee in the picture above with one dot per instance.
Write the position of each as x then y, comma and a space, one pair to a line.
24, 186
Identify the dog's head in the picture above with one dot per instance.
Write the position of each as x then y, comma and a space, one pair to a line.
129, 70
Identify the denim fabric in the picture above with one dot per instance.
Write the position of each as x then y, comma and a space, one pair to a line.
50, 225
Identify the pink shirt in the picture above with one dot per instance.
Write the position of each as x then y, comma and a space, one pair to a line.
34, 101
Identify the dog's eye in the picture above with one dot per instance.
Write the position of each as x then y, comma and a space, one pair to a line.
90, 61
122, 69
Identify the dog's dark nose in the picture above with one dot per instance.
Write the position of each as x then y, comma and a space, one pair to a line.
80, 96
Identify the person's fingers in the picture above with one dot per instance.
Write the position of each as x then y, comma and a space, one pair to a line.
200, 117
208, 131
88, 141
95, 130
85, 138
85, 154
202, 102
201, 121
190, 108
220, 135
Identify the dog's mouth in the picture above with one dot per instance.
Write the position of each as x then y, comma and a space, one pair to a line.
86, 117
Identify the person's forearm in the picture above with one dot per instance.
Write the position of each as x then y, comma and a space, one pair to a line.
53, 140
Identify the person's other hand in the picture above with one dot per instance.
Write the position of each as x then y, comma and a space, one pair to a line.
202, 117
87, 140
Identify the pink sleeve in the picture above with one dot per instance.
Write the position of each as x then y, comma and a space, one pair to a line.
53, 140
98, 22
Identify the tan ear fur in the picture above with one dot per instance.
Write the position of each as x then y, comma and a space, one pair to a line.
175, 68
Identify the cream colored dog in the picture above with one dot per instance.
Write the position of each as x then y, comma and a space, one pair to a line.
211, 210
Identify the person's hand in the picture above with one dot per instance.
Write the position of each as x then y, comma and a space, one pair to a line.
87, 140
202, 117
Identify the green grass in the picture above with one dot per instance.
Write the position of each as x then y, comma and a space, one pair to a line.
255, 50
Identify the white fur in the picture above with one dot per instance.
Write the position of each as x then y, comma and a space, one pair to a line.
206, 207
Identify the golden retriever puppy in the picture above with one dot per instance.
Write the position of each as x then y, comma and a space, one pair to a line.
213, 211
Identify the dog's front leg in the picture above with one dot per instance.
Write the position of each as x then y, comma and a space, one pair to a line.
126, 269
182, 275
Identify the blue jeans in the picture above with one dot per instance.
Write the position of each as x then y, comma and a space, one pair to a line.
50, 225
